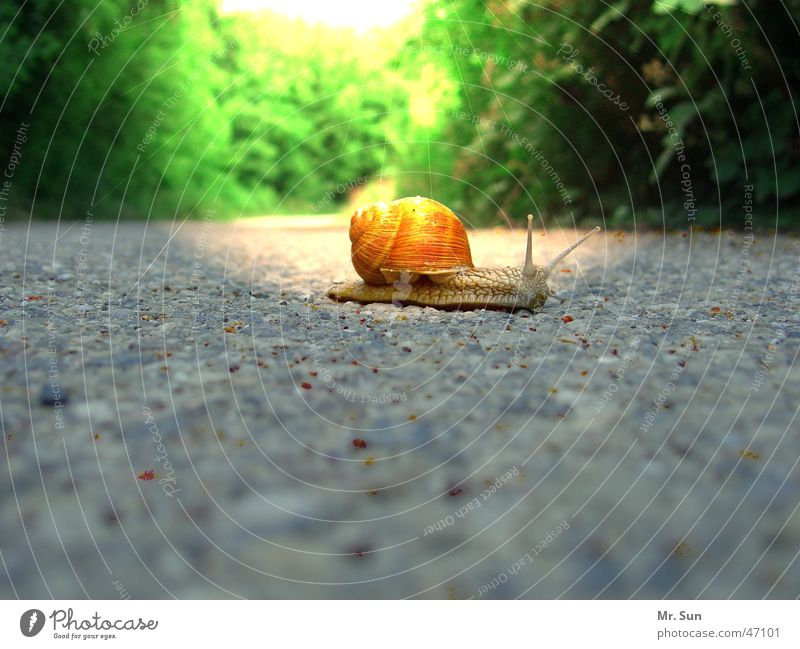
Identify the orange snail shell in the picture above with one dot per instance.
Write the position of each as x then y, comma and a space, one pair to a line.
407, 238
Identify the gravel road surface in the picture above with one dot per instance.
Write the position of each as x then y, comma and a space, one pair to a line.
186, 414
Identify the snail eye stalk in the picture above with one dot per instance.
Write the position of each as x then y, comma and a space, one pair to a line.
528, 270
559, 257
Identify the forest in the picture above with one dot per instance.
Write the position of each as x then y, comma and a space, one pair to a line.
670, 114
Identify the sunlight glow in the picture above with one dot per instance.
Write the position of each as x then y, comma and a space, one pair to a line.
358, 14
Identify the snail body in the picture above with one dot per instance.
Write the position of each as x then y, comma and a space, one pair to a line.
416, 251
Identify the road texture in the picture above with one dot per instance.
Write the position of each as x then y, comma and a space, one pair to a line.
186, 414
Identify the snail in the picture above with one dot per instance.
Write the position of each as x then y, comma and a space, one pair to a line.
416, 251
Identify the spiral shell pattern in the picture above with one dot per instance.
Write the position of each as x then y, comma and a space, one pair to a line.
413, 235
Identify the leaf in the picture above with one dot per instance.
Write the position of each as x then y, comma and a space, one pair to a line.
728, 165
666, 6
661, 94
682, 114
610, 15
661, 162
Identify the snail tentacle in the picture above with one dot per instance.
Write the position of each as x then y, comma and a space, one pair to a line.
560, 256
528, 269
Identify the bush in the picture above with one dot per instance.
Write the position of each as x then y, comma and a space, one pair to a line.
657, 112
629, 111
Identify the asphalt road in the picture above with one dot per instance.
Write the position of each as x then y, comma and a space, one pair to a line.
185, 414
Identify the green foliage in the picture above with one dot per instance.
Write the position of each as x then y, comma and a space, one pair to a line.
591, 107
306, 109
90, 110
183, 111
659, 111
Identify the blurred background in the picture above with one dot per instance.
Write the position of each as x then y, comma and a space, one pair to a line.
630, 112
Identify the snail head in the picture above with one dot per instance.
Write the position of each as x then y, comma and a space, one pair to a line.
534, 277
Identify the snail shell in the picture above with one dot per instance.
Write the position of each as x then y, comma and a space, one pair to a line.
408, 238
